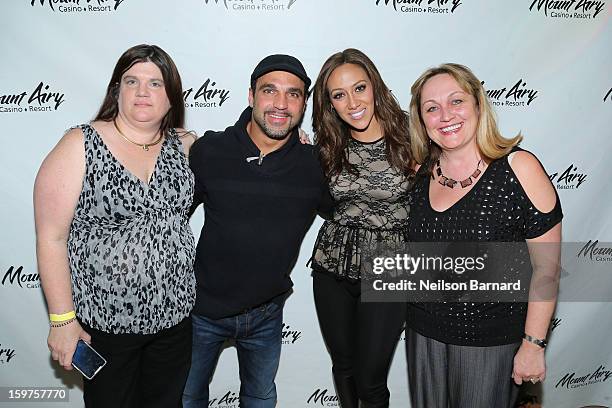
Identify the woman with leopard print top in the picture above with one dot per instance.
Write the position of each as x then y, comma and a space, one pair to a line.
115, 250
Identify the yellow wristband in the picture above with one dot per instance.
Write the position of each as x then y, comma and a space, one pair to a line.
62, 317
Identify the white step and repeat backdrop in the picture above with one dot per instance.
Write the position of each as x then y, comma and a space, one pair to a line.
546, 65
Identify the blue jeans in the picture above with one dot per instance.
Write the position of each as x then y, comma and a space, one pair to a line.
258, 341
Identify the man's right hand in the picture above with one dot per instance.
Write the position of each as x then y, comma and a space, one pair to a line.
304, 138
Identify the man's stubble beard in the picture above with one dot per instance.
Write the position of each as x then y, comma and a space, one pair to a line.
271, 132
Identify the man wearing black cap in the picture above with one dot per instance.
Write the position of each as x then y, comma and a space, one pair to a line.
261, 189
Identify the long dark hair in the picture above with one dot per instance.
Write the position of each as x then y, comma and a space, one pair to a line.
175, 118
332, 134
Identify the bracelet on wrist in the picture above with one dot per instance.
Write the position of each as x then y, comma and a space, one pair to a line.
62, 324
537, 342
58, 318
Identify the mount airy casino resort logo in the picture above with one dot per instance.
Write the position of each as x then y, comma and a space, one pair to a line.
41, 99
568, 179
572, 380
554, 323
206, 95
594, 251
290, 335
17, 277
83, 6
323, 397
422, 6
570, 9
6, 354
254, 5
516, 95
228, 400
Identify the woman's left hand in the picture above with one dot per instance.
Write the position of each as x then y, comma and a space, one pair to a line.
529, 364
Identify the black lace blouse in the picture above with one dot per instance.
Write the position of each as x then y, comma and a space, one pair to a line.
496, 209
371, 207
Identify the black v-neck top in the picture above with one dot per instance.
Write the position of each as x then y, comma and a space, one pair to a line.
496, 209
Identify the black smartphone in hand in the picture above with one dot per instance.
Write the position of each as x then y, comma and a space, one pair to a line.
87, 360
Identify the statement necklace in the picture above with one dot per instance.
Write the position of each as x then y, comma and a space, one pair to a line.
145, 146
449, 182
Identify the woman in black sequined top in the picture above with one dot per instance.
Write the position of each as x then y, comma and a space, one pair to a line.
474, 185
362, 135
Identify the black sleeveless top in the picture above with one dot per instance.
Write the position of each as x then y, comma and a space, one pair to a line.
496, 209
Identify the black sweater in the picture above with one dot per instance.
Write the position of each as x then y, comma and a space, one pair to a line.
256, 215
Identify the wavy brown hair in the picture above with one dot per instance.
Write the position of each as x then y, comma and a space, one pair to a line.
491, 143
332, 133
175, 118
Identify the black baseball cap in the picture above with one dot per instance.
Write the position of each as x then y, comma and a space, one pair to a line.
280, 62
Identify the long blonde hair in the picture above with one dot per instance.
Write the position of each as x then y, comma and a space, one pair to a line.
489, 140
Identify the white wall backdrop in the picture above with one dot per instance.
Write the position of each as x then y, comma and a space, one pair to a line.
545, 63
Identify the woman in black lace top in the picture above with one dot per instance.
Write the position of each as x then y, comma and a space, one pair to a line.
362, 134
474, 185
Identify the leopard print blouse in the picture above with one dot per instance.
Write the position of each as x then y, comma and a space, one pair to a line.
131, 249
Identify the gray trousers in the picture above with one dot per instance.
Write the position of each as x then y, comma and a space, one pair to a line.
444, 375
